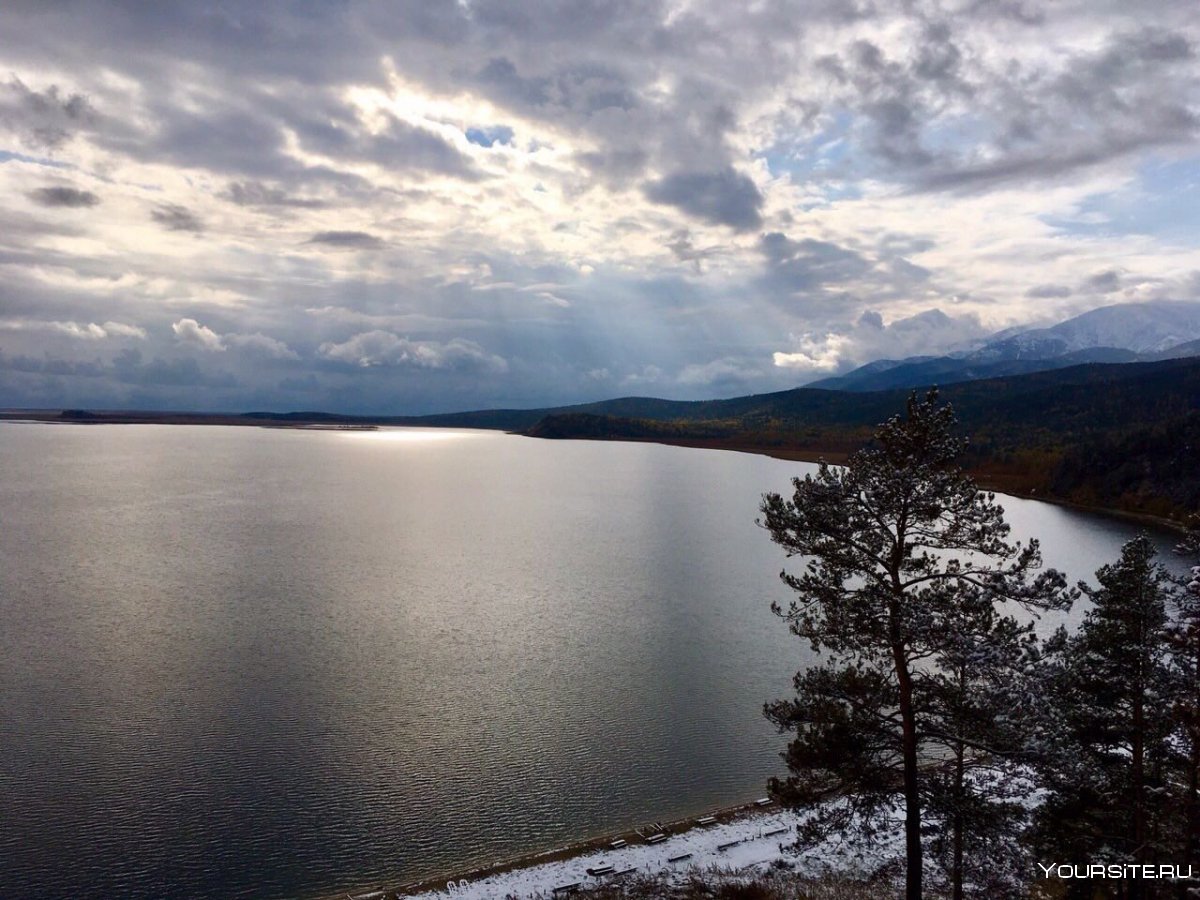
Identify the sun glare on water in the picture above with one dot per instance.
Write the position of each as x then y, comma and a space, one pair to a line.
412, 435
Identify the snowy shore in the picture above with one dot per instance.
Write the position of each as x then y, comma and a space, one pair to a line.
749, 841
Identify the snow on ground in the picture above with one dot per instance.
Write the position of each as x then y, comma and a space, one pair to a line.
752, 842
753, 850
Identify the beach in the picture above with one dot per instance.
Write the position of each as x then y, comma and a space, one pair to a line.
748, 836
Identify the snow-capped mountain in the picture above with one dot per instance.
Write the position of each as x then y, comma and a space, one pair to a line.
1141, 327
1127, 332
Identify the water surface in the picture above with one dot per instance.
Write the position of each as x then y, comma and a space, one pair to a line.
240, 662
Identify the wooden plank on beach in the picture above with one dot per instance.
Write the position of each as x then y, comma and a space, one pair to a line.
656, 839
763, 801
617, 844
706, 820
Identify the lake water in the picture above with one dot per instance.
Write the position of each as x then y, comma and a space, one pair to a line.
240, 662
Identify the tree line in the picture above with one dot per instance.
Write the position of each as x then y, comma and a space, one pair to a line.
936, 709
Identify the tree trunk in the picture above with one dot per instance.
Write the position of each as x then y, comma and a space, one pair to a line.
912, 795
1139, 790
1191, 846
956, 874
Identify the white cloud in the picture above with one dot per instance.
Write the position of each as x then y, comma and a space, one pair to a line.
383, 348
925, 334
261, 343
189, 331
813, 353
119, 329
85, 331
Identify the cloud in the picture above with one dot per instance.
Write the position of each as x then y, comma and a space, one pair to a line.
347, 240
118, 329
185, 372
801, 265
176, 217
383, 348
85, 331
813, 353
725, 374
261, 343
255, 193
1106, 282
396, 145
48, 118
672, 192
1048, 291
925, 334
60, 196
724, 197
192, 333
684, 248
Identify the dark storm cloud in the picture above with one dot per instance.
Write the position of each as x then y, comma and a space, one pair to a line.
399, 145
72, 198
684, 248
1105, 282
615, 167
348, 240
48, 365
48, 118
806, 264
1048, 291
175, 217
255, 193
501, 78
220, 137
1026, 122
724, 197
128, 367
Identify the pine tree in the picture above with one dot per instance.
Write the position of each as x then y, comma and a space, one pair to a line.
1183, 640
903, 553
978, 717
1111, 713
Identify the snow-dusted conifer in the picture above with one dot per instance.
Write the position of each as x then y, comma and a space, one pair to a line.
1111, 698
1183, 640
976, 721
904, 554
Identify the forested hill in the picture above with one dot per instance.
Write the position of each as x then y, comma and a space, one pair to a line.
1120, 436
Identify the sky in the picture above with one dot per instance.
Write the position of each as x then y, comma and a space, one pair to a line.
413, 206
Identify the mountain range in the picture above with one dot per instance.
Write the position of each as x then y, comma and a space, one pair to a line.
1101, 410
1126, 332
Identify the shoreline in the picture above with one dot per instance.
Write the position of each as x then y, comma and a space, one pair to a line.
839, 457
997, 483
574, 852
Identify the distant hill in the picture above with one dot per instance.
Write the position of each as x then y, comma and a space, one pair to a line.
1127, 332
1123, 436
1116, 435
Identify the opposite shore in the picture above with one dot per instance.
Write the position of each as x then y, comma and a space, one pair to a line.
989, 477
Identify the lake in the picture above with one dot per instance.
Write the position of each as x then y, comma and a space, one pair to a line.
242, 662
